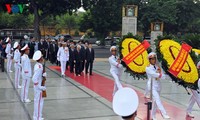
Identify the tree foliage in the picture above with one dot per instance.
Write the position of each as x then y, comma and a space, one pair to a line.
66, 21
104, 17
43, 8
15, 21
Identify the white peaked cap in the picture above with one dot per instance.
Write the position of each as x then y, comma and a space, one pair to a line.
113, 47
25, 36
37, 55
15, 45
25, 47
125, 102
7, 39
151, 54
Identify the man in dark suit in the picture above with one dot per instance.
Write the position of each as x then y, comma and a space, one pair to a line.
31, 45
42, 46
47, 48
52, 52
58, 45
68, 45
78, 60
89, 58
71, 57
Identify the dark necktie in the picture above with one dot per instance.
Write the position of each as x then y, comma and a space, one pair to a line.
154, 67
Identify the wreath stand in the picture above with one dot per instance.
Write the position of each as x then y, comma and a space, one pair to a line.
149, 103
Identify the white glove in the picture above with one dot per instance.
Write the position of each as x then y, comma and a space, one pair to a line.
58, 58
120, 66
43, 88
44, 74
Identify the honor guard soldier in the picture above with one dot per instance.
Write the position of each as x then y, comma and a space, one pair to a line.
125, 103
63, 57
38, 88
26, 74
194, 98
116, 68
17, 59
9, 54
154, 74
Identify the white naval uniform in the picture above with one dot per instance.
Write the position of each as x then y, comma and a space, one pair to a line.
17, 57
63, 56
38, 99
9, 57
148, 87
26, 76
116, 71
156, 89
194, 98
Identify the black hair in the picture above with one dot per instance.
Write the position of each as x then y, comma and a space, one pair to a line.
128, 117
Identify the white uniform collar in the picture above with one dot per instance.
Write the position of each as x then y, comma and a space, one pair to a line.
114, 56
25, 55
38, 63
152, 65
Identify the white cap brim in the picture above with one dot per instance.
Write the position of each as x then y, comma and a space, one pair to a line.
37, 55
25, 47
7, 39
113, 47
125, 102
151, 54
15, 45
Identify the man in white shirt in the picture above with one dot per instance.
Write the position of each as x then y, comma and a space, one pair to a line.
154, 74
26, 74
38, 88
17, 59
9, 54
194, 98
116, 68
63, 57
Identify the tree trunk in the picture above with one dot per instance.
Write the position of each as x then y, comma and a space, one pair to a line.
37, 34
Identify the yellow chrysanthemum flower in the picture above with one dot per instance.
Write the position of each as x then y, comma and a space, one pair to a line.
170, 50
141, 62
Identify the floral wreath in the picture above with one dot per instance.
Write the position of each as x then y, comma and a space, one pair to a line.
137, 68
167, 48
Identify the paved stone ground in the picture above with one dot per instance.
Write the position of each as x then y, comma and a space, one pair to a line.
69, 100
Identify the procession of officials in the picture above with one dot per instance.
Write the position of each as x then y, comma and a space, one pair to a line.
79, 57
